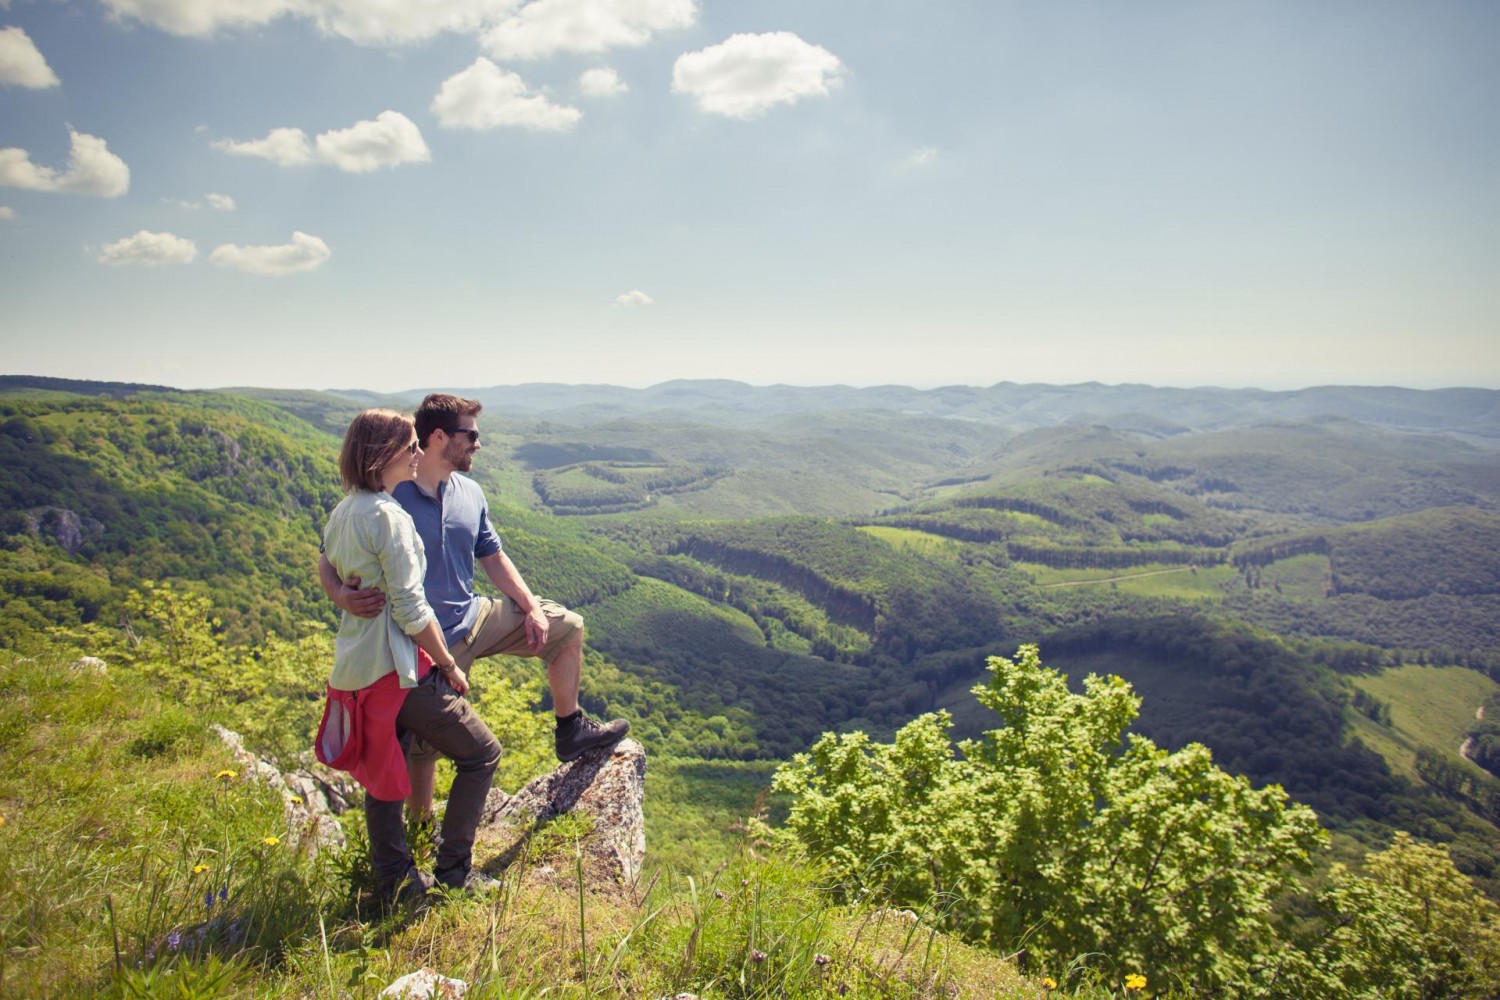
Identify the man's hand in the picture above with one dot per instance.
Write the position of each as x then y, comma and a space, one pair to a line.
359, 603
536, 630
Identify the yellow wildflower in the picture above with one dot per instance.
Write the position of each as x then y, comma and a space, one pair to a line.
273, 841
296, 800
227, 775
1135, 981
199, 869
1049, 982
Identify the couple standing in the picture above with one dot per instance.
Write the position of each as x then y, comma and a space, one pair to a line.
399, 557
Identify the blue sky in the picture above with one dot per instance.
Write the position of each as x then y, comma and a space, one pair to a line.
391, 194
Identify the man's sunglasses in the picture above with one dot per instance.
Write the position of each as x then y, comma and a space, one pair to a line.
472, 432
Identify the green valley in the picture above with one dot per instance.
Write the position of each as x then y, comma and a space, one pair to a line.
1307, 584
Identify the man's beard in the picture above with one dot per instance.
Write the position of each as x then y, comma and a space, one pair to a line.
458, 455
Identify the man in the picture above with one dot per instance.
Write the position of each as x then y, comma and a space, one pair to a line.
452, 519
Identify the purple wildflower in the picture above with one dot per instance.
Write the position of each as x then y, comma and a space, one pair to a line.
174, 939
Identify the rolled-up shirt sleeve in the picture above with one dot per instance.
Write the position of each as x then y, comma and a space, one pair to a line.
401, 563
487, 542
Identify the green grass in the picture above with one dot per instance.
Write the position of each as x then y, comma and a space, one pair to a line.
921, 542
132, 842
1430, 707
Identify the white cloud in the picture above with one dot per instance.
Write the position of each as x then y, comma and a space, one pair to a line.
601, 82
924, 157
484, 96
202, 17
367, 22
6, 212
22, 63
149, 249
285, 146
544, 27
746, 75
219, 202
304, 253
387, 141
92, 169
634, 298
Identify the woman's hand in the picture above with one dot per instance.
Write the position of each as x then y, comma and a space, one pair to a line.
456, 678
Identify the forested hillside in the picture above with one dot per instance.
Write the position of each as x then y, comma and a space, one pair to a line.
837, 567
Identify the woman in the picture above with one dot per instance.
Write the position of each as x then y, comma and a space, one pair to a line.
383, 688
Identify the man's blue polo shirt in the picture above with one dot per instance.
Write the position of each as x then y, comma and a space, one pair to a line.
455, 530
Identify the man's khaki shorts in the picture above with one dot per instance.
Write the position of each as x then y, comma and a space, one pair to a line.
500, 630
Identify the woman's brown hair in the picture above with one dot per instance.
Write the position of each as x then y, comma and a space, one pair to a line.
372, 440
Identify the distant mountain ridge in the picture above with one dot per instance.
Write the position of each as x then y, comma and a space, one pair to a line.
1146, 409
1155, 411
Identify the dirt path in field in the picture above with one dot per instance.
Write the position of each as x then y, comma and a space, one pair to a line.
1463, 751
1112, 579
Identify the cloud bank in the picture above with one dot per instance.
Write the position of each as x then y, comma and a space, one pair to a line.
745, 76
537, 29
484, 96
633, 298
148, 249
389, 140
92, 169
21, 62
304, 253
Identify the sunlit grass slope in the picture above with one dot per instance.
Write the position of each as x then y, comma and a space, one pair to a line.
140, 860
1432, 707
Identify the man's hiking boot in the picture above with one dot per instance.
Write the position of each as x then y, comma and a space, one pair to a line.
470, 880
412, 888
582, 734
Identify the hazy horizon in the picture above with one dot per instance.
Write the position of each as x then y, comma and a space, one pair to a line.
456, 387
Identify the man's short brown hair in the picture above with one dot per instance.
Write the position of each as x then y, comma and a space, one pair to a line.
374, 438
440, 411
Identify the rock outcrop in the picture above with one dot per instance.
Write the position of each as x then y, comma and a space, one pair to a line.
609, 785
312, 795
63, 526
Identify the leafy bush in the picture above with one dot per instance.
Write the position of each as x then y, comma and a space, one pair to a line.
1058, 835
